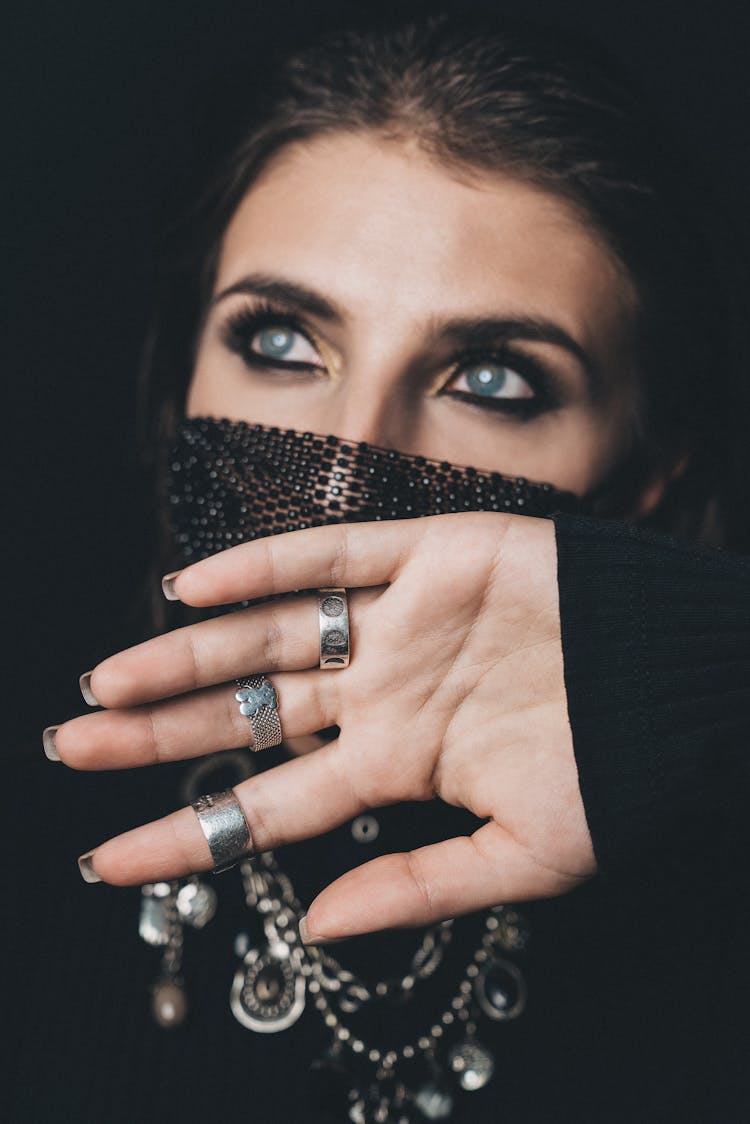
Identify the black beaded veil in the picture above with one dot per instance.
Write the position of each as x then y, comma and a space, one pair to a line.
230, 482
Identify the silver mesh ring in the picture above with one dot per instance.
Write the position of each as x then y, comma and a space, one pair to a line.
333, 620
259, 702
224, 825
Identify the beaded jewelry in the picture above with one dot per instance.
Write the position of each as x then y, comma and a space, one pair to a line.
277, 973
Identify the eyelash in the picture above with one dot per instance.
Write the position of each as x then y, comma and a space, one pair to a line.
239, 329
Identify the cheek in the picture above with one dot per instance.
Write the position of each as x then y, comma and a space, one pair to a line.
572, 450
588, 449
222, 387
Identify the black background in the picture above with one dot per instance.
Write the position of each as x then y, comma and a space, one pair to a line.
103, 103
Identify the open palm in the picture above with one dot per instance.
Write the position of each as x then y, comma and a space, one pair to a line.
455, 689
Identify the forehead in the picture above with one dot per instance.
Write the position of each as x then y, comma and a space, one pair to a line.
385, 230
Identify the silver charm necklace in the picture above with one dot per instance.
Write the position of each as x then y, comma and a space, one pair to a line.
277, 975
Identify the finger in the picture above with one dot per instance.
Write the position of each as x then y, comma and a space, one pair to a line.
192, 725
431, 884
281, 636
343, 554
293, 801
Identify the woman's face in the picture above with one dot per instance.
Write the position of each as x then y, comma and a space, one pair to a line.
366, 291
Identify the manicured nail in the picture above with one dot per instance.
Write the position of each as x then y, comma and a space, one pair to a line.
85, 684
167, 585
305, 937
86, 868
48, 739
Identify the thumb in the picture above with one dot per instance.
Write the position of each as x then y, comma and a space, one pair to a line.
431, 884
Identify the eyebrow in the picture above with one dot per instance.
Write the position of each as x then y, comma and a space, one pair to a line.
471, 332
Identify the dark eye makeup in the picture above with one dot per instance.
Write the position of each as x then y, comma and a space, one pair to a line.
484, 372
241, 327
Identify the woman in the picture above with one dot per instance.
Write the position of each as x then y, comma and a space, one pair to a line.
447, 245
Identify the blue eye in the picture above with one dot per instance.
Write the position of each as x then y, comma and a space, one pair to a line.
265, 338
275, 341
492, 379
280, 343
486, 378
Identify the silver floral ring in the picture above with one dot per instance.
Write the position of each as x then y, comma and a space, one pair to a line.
260, 703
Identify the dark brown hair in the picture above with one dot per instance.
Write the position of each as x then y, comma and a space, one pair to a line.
484, 94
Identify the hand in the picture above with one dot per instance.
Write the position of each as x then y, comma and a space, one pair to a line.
455, 689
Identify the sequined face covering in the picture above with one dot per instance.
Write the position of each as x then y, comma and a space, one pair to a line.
229, 482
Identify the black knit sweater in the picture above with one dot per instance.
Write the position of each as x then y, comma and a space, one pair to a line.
638, 982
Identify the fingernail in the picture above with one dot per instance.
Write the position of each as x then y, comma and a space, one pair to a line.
167, 585
48, 739
305, 937
86, 868
85, 684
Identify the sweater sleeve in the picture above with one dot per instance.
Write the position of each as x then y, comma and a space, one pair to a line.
656, 648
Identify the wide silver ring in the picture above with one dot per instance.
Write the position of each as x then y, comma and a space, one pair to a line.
333, 619
260, 703
224, 825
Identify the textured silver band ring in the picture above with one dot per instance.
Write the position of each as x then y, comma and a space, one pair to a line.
260, 703
333, 618
224, 825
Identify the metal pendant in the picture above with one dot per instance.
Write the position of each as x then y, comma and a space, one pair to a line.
434, 1100
157, 914
500, 990
472, 1063
268, 993
196, 903
169, 1004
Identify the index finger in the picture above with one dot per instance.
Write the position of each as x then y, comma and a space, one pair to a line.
341, 554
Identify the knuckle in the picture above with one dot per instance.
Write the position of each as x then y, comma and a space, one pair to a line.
274, 640
268, 547
193, 658
151, 735
420, 881
338, 565
164, 738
